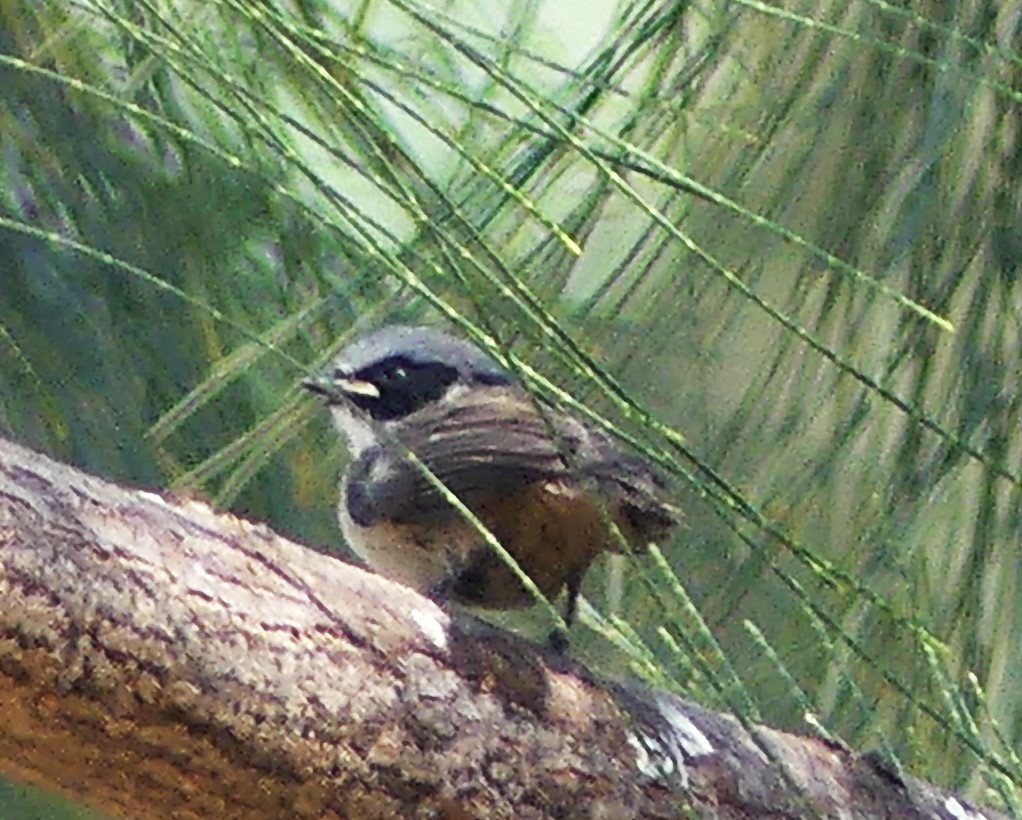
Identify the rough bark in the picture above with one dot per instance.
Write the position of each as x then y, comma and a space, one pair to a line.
160, 660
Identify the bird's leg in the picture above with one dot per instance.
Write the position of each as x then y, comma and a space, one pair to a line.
558, 639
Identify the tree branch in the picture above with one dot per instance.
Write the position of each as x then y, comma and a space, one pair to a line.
157, 659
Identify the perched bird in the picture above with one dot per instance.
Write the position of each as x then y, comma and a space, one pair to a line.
544, 483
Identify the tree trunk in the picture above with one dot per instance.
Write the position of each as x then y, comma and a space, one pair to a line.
161, 660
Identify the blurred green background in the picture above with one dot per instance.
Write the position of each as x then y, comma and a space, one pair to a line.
777, 245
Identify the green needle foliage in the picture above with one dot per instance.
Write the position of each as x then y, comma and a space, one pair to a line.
773, 246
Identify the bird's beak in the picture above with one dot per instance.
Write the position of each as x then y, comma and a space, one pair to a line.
320, 385
335, 389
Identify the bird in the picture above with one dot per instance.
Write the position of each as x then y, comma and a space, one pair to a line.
544, 482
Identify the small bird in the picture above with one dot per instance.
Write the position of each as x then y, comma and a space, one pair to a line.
545, 484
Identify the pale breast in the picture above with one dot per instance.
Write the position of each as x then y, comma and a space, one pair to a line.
417, 555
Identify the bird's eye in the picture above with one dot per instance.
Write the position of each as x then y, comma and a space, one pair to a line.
402, 386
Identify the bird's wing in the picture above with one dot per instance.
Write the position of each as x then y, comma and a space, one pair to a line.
491, 442
482, 447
